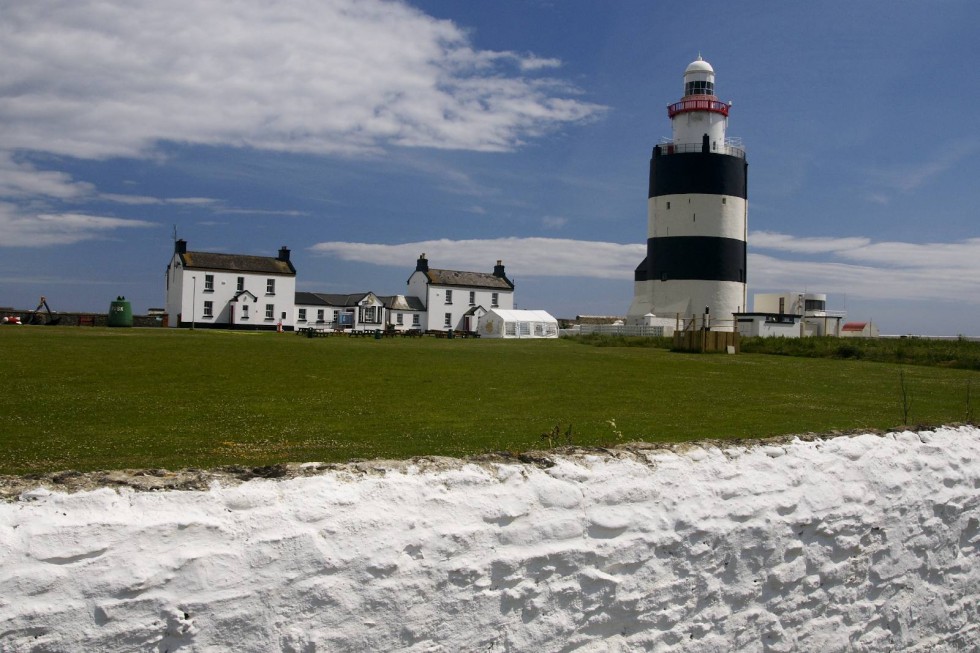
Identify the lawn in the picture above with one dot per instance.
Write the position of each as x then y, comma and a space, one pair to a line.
91, 398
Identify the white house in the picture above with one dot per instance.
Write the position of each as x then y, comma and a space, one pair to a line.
358, 311
504, 323
455, 300
230, 291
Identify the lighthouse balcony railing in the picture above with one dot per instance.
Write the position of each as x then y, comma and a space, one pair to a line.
729, 148
697, 104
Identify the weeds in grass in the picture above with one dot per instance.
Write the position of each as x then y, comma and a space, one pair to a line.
615, 429
969, 403
555, 436
906, 396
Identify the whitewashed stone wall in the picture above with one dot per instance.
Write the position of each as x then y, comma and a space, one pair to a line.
863, 543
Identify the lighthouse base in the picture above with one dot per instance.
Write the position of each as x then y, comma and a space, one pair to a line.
684, 299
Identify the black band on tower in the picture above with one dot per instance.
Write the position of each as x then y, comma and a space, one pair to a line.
693, 257
697, 172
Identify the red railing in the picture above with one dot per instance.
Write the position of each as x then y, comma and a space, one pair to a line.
684, 106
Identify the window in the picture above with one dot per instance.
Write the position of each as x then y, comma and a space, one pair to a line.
400, 318
370, 314
270, 286
319, 315
814, 305
416, 320
448, 321
208, 309
472, 298
336, 316
449, 296
208, 283
699, 87
302, 315
270, 311
724, 200
668, 206
244, 311
241, 284
495, 299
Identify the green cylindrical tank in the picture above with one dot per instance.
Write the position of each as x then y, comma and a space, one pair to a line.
120, 313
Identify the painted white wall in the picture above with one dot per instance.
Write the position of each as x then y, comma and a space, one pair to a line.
689, 296
756, 325
434, 297
854, 543
720, 216
187, 294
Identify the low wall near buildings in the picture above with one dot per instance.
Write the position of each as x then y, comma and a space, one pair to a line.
82, 319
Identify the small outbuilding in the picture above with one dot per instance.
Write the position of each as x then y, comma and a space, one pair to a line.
514, 323
859, 330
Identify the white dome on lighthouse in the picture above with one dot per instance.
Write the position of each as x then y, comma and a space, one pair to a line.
699, 66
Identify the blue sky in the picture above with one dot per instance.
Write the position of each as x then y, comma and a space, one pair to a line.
362, 133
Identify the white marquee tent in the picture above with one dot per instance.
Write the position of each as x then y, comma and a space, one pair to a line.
501, 323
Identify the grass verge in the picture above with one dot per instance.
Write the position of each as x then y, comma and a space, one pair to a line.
87, 399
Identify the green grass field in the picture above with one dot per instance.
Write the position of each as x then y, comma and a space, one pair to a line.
89, 398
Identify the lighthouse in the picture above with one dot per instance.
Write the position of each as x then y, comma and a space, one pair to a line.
697, 214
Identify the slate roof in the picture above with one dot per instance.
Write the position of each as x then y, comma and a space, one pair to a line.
236, 263
402, 303
329, 299
469, 279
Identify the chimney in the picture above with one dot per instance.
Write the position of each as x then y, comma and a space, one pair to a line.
498, 270
284, 254
422, 265
180, 246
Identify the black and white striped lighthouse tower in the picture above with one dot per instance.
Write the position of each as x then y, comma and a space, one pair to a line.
697, 214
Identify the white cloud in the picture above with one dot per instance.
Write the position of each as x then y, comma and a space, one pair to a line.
23, 180
808, 245
539, 257
20, 229
908, 177
96, 79
553, 221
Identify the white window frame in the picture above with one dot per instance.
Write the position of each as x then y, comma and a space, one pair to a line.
302, 315
416, 320
241, 284
400, 319
270, 311
448, 321
472, 298
208, 283
208, 308
449, 297
319, 315
495, 299
270, 286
